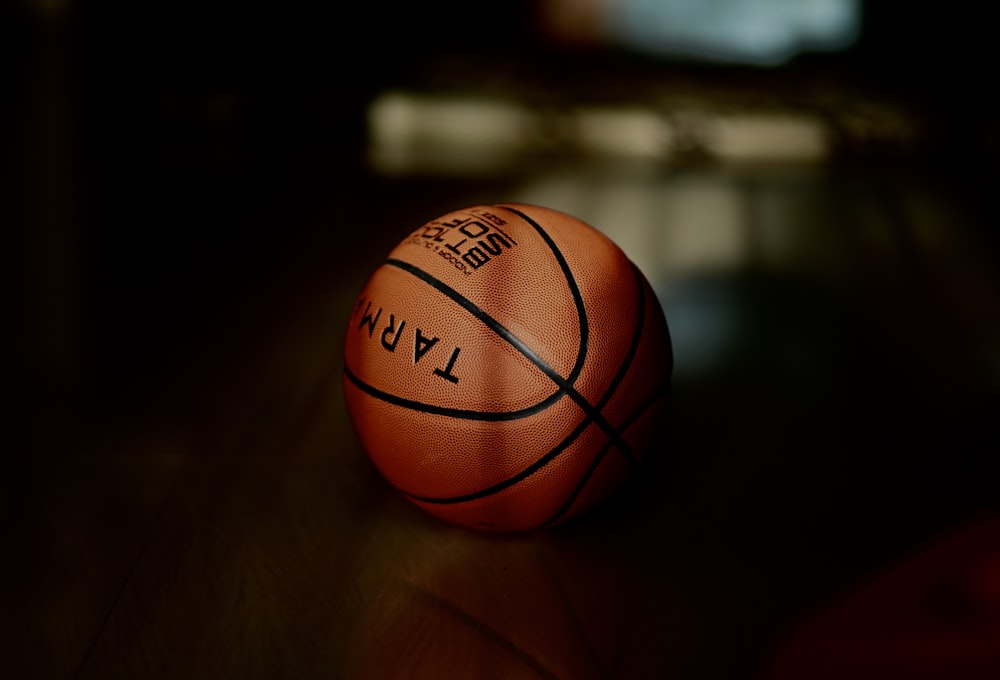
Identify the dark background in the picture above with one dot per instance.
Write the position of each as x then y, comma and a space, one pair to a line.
182, 184
164, 143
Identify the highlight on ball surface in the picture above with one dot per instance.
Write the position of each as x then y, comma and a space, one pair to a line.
507, 367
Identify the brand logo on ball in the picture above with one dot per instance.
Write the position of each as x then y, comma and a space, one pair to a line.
391, 332
468, 242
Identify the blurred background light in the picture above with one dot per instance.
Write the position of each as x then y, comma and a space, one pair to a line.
669, 227
633, 131
755, 32
461, 133
773, 137
680, 232
443, 133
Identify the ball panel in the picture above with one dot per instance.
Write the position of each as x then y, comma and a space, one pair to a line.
532, 501
442, 457
607, 285
651, 364
607, 470
643, 426
412, 342
520, 285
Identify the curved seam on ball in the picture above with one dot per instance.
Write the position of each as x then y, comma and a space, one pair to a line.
464, 414
640, 326
660, 392
574, 289
592, 413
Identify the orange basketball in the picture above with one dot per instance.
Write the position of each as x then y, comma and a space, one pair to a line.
507, 367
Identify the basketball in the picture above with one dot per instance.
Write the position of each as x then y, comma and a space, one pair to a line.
507, 367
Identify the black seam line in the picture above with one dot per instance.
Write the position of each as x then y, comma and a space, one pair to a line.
661, 392
591, 415
594, 413
640, 325
478, 312
465, 414
574, 289
516, 342
569, 439
510, 481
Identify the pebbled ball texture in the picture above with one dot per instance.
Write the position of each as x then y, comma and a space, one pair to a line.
507, 367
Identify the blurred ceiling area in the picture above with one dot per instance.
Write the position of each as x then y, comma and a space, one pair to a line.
147, 147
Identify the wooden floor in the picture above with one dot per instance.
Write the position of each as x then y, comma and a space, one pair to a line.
206, 510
